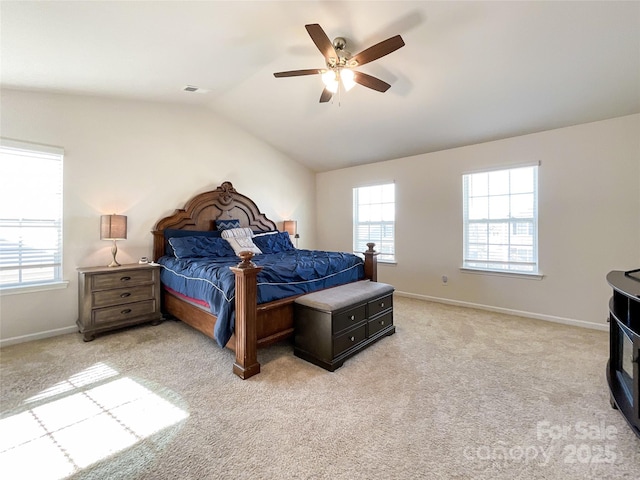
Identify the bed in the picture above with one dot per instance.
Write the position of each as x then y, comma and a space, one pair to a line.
260, 313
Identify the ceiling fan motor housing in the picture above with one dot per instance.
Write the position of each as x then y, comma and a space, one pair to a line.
343, 55
339, 43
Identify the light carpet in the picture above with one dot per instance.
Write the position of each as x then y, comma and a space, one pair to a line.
455, 394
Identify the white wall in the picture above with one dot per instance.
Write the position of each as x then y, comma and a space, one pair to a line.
146, 159
589, 219
142, 160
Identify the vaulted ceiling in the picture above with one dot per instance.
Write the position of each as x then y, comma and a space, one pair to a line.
470, 72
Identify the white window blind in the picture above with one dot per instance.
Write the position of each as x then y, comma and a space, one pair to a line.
501, 220
374, 219
30, 214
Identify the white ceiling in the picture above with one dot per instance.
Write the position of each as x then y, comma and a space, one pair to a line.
470, 71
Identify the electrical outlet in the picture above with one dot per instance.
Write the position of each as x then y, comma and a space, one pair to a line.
445, 279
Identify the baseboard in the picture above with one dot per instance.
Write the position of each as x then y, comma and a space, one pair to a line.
547, 318
37, 336
508, 311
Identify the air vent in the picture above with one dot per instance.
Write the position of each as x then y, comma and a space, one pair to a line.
194, 89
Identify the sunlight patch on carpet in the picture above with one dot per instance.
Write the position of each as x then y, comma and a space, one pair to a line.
76, 423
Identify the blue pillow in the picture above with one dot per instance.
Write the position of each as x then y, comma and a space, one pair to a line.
227, 224
201, 247
172, 233
274, 243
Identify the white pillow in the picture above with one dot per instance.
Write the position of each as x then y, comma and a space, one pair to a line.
240, 240
237, 232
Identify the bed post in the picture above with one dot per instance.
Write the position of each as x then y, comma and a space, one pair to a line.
371, 263
246, 272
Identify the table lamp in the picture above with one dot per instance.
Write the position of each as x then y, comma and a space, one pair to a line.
113, 227
291, 227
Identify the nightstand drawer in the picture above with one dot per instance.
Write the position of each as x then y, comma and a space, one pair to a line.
349, 339
122, 279
380, 304
121, 296
349, 318
122, 313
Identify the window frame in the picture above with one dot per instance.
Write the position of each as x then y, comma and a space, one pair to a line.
382, 241
55, 279
469, 264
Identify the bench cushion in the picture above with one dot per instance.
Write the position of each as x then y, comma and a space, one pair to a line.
344, 296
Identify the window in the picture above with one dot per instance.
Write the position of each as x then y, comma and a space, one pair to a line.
501, 220
30, 214
374, 219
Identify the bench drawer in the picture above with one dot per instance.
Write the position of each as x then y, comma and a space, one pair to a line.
380, 323
349, 318
379, 305
349, 339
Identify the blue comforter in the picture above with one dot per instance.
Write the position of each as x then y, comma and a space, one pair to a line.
283, 275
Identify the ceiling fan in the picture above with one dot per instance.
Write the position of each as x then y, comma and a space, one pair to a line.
340, 63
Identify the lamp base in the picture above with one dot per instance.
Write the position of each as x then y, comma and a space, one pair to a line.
114, 250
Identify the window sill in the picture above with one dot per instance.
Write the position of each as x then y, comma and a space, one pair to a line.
387, 262
33, 288
524, 275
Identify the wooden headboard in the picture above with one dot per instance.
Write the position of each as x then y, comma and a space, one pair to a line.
201, 212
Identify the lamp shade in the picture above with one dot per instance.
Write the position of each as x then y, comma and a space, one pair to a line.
290, 226
113, 227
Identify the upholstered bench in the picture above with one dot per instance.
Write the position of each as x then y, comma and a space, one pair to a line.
334, 324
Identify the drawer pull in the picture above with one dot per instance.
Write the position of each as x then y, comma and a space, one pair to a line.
125, 295
353, 339
381, 322
352, 318
125, 279
125, 311
381, 304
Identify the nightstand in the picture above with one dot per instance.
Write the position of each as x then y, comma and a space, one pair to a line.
116, 297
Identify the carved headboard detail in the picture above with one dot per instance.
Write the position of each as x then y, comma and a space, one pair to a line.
201, 212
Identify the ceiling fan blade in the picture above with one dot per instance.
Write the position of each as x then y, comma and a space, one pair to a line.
378, 50
297, 73
370, 82
326, 96
321, 40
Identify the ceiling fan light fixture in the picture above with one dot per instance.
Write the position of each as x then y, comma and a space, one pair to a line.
333, 86
346, 75
329, 78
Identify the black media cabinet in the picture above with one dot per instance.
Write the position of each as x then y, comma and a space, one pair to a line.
622, 369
